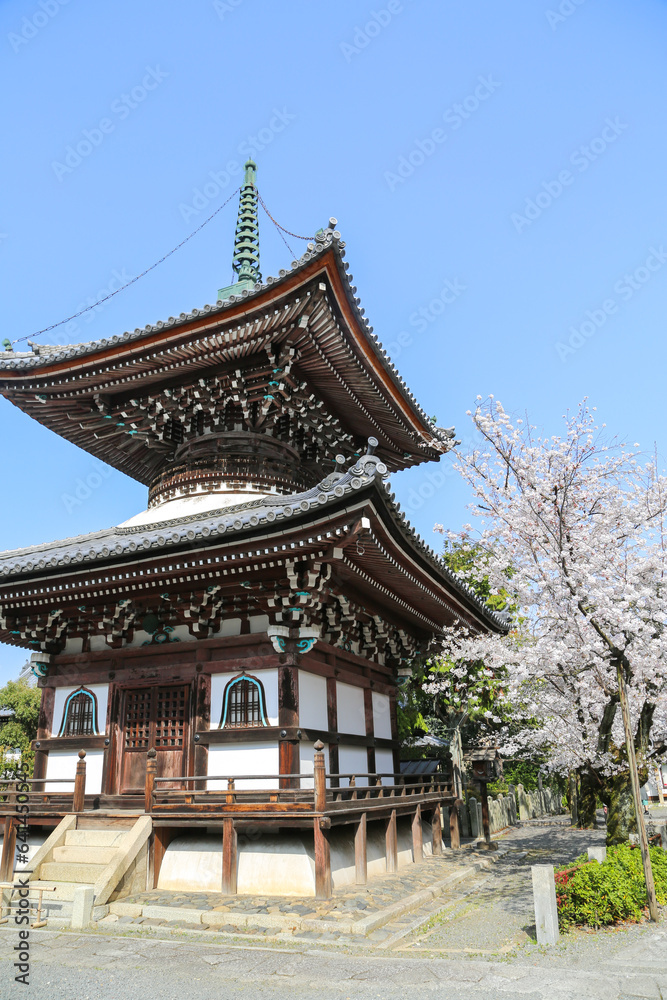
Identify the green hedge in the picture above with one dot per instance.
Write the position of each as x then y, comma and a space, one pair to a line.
593, 894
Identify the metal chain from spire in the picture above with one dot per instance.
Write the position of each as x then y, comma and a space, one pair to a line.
246, 238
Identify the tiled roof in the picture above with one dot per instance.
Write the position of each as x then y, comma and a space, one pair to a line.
46, 354
240, 519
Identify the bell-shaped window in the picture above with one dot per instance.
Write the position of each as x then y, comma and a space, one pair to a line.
243, 704
80, 714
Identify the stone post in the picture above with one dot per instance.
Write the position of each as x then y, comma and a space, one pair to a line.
454, 825
82, 907
597, 854
546, 910
464, 822
474, 825
522, 798
512, 798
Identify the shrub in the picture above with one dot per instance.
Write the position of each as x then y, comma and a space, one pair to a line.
594, 894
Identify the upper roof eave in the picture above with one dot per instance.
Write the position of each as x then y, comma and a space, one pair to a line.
51, 360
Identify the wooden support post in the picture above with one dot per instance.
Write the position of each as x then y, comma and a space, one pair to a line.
161, 839
391, 843
8, 850
436, 830
455, 824
79, 783
360, 852
322, 860
230, 796
417, 836
229, 854
151, 771
319, 778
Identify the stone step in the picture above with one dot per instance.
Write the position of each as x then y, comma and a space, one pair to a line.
96, 820
94, 838
53, 871
64, 891
73, 854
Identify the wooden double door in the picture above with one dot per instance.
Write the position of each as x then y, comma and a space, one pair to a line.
159, 717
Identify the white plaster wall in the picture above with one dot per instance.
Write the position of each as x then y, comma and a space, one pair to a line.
280, 864
350, 702
307, 762
258, 623
384, 763
232, 760
230, 626
312, 701
352, 760
62, 764
101, 692
381, 716
269, 679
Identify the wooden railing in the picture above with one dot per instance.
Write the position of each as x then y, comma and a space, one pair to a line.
300, 800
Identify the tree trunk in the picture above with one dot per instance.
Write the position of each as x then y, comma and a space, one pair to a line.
588, 801
572, 798
621, 821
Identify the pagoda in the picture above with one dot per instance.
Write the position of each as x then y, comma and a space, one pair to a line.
262, 606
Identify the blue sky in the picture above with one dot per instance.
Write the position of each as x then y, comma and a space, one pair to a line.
497, 171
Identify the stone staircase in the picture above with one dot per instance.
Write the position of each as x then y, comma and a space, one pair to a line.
86, 855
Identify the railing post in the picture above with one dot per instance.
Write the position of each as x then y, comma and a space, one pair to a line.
455, 824
79, 783
151, 771
230, 797
8, 850
353, 785
319, 778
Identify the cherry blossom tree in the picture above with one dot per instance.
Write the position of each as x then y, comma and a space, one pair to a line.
576, 522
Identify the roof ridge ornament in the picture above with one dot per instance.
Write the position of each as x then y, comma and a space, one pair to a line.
245, 262
246, 238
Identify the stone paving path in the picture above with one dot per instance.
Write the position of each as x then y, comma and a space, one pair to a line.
492, 913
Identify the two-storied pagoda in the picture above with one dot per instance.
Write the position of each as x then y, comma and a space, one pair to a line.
268, 595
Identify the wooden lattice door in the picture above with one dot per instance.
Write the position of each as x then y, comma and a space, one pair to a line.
153, 717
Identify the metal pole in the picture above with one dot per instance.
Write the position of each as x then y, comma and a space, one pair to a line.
634, 781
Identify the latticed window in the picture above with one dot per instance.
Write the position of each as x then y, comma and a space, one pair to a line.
243, 704
172, 704
80, 713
